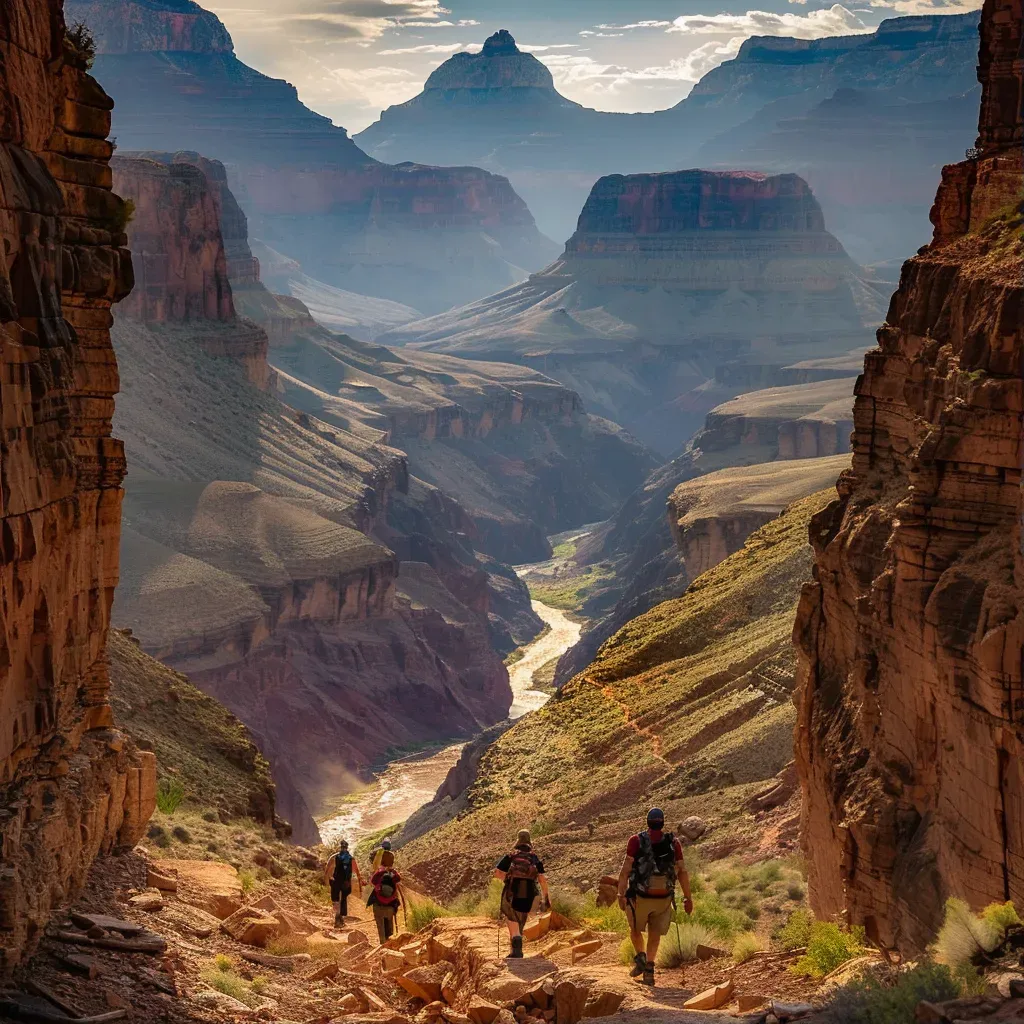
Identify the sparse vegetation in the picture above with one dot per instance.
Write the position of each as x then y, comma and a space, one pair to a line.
169, 795
247, 879
288, 945
82, 45
890, 998
222, 976
679, 946
745, 945
422, 911
569, 590
828, 947
796, 932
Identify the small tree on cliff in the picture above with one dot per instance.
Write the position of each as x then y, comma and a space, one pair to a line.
80, 45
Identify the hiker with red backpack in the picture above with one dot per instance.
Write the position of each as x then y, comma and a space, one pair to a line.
647, 890
522, 873
386, 896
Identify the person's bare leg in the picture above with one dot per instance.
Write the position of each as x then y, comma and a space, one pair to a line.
653, 942
637, 938
513, 928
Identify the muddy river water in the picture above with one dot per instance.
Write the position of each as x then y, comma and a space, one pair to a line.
407, 783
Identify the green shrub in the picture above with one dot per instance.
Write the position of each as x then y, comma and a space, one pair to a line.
260, 984
727, 880
828, 947
423, 911
626, 952
82, 44
795, 891
680, 945
603, 919
158, 834
709, 912
182, 834
745, 946
490, 904
762, 875
248, 882
569, 904
1000, 916
169, 795
796, 932
890, 999
221, 977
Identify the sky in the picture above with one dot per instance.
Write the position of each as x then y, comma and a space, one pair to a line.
349, 59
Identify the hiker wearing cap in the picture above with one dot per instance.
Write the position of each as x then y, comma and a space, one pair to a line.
647, 885
386, 895
522, 872
338, 875
385, 847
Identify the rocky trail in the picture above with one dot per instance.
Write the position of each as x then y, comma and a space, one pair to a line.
179, 941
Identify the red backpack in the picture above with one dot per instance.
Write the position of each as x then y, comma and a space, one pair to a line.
521, 877
385, 888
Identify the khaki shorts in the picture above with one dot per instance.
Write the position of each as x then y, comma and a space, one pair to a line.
653, 916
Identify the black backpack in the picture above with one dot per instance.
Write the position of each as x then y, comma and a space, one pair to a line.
654, 867
384, 888
521, 877
343, 867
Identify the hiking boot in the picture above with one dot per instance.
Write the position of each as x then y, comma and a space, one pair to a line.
648, 975
517, 948
339, 921
639, 965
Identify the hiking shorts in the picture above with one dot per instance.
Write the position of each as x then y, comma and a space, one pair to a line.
338, 889
516, 910
651, 915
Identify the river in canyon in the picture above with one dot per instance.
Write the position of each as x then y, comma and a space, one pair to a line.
406, 784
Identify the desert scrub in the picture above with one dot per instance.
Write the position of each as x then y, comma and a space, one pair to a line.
891, 998
603, 919
169, 795
423, 911
709, 912
288, 945
828, 947
796, 932
82, 44
679, 946
221, 976
745, 945
965, 939
247, 880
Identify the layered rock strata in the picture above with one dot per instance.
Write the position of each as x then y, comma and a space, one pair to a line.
910, 635
430, 237
180, 257
670, 282
71, 785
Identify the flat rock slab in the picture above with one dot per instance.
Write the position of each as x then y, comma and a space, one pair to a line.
108, 924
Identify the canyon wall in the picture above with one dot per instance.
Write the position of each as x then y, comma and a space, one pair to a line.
676, 292
71, 785
429, 237
910, 636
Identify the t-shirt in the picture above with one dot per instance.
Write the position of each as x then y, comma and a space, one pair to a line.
506, 862
377, 855
633, 846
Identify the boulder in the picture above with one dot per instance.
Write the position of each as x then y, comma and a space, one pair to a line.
424, 982
151, 900
222, 904
538, 927
323, 972
293, 924
791, 1011
603, 1002
693, 828
441, 947
584, 949
399, 940
608, 891
251, 927
450, 988
391, 959
750, 1001
570, 1001
353, 937
482, 1011
703, 952
165, 880
711, 998
223, 1004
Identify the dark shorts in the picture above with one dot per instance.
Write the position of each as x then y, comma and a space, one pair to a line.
516, 910
337, 888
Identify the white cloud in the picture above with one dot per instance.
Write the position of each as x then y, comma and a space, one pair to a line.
357, 21
924, 6
424, 48
638, 24
544, 47
829, 21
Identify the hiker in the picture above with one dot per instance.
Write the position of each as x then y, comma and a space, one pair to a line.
385, 847
521, 871
338, 874
386, 895
647, 890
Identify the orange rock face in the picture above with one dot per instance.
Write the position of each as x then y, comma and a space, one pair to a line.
910, 687
71, 786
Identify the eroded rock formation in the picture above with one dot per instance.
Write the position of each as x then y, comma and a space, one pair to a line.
71, 785
430, 237
910, 636
676, 291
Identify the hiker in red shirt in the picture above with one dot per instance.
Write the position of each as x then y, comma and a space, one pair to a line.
647, 884
386, 896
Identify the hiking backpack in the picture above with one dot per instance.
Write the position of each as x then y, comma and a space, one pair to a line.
385, 887
343, 867
521, 877
654, 867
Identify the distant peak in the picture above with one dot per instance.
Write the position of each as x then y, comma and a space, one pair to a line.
501, 42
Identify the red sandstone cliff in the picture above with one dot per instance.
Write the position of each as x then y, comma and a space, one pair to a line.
71, 786
910, 687
181, 266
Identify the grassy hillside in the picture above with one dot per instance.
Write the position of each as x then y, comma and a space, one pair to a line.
687, 706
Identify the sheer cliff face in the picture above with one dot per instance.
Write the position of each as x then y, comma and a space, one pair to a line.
309, 191
675, 291
910, 636
71, 786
